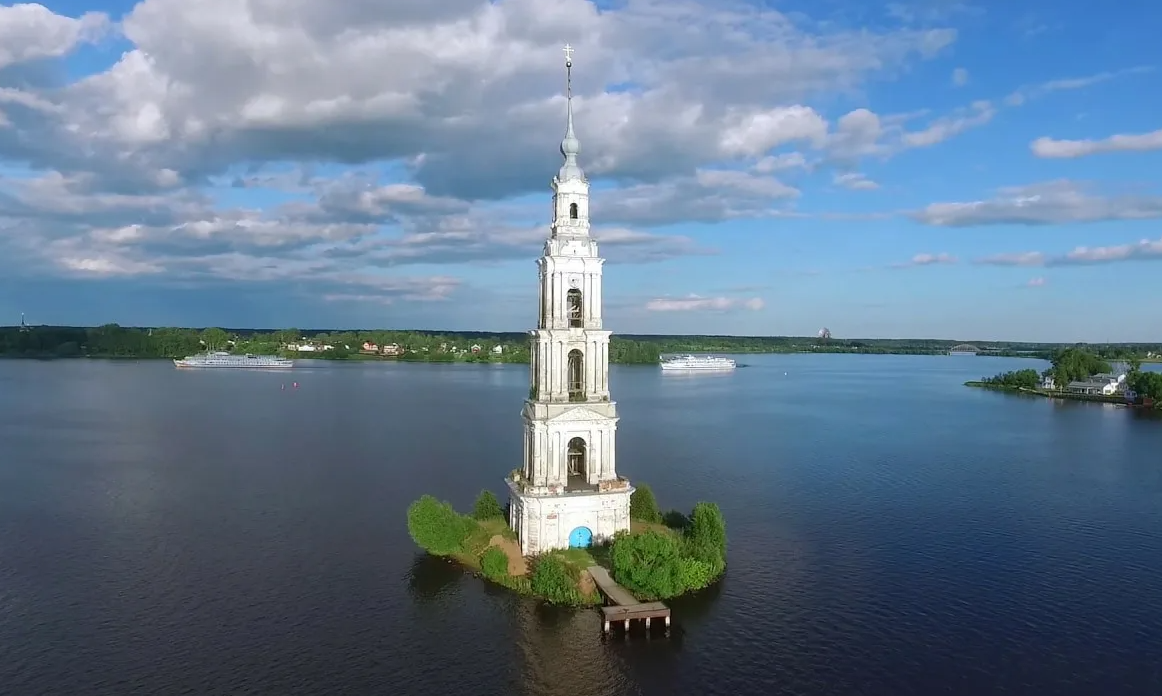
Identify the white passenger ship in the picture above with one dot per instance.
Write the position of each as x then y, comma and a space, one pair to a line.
697, 362
221, 359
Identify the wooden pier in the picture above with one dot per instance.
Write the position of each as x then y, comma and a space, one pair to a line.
625, 607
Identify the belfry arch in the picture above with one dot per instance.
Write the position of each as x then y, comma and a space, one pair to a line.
577, 462
575, 309
576, 379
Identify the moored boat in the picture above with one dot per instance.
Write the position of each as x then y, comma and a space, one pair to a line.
698, 363
222, 359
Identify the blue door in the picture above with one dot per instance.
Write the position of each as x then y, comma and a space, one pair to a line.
580, 538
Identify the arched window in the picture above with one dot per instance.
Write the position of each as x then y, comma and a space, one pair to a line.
578, 466
572, 211
576, 375
575, 306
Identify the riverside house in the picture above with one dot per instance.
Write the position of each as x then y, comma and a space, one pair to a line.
1101, 384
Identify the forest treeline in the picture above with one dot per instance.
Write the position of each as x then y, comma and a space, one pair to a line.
113, 341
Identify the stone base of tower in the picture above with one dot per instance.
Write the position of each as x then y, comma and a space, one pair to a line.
559, 521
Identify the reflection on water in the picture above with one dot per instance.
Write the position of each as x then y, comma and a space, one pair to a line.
430, 577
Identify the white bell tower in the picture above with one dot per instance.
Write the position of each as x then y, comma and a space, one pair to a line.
568, 492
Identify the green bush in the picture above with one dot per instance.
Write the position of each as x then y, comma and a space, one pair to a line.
553, 580
706, 534
659, 565
694, 574
494, 564
648, 564
643, 506
1147, 384
1019, 379
487, 507
436, 527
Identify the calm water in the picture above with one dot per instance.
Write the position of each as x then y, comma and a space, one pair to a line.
892, 532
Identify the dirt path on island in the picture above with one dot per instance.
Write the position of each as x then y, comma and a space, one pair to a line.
517, 566
586, 584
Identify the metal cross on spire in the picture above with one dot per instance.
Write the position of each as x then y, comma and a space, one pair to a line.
568, 71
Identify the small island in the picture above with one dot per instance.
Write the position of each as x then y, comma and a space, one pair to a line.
660, 557
1081, 375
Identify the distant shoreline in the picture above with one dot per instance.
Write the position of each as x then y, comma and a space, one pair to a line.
115, 342
482, 360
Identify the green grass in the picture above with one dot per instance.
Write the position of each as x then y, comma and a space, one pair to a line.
641, 527
577, 558
478, 540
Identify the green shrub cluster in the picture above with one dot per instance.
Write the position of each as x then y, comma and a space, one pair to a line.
555, 581
1146, 384
659, 565
1019, 379
643, 505
437, 528
487, 507
494, 564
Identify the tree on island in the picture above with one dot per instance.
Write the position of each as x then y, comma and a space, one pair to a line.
1018, 379
643, 505
1076, 365
1147, 384
487, 507
436, 527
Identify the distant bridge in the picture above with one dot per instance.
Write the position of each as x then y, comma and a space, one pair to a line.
964, 349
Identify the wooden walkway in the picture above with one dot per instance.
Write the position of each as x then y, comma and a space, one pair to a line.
625, 606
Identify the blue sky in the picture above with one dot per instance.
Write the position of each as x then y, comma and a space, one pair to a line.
927, 168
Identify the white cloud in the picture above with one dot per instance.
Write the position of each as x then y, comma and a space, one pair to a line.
927, 260
959, 77
31, 32
978, 114
697, 303
782, 162
1049, 148
857, 134
710, 195
755, 134
1036, 282
1143, 250
855, 181
863, 133
1055, 202
1029, 258
1027, 93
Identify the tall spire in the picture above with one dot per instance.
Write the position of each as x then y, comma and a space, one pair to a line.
570, 146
